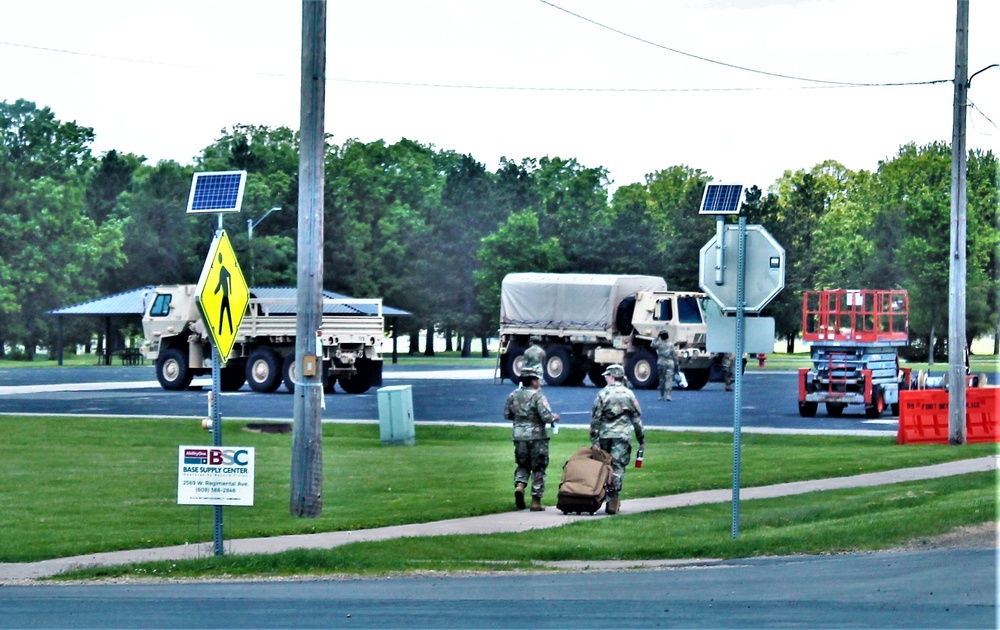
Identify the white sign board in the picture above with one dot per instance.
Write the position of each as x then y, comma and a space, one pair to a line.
215, 475
758, 335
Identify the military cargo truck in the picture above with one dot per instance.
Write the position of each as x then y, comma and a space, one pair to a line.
586, 322
349, 342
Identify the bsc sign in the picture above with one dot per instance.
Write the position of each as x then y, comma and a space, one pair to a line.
222, 294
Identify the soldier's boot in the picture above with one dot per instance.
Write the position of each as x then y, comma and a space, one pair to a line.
669, 397
519, 489
661, 395
612, 506
729, 387
536, 504
519, 495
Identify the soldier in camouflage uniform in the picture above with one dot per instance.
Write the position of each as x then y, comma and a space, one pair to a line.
729, 364
528, 409
534, 359
666, 363
616, 414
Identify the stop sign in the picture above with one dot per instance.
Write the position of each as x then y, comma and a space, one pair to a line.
765, 269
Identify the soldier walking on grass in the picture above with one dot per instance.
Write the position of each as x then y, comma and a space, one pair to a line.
529, 410
666, 363
615, 416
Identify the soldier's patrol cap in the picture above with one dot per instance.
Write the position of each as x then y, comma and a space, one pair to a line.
614, 370
529, 373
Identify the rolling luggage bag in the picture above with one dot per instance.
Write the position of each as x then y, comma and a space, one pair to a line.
585, 476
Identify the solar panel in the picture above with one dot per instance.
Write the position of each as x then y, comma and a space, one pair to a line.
722, 199
217, 192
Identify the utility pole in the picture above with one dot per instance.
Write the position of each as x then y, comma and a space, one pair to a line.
307, 430
959, 236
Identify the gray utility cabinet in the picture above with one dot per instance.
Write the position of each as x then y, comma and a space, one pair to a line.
395, 415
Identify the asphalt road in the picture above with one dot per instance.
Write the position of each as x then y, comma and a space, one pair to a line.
929, 589
769, 400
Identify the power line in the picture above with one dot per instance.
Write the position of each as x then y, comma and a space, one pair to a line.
981, 113
734, 66
510, 88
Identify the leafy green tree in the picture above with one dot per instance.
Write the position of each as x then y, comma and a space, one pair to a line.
793, 214
983, 254
107, 181
919, 180
378, 199
571, 200
674, 200
271, 158
59, 251
517, 246
626, 235
469, 212
51, 251
162, 244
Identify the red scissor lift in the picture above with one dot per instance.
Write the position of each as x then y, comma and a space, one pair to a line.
854, 335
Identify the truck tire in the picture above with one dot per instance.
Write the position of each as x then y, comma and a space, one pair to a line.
808, 409
878, 404
696, 378
577, 374
596, 374
172, 370
264, 370
233, 376
361, 381
558, 366
640, 368
288, 375
515, 359
835, 410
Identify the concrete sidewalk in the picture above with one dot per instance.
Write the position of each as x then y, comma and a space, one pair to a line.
488, 524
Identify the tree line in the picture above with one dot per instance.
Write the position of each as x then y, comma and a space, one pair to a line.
434, 232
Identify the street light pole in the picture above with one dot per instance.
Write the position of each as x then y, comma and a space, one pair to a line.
251, 224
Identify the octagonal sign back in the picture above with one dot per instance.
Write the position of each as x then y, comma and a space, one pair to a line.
765, 269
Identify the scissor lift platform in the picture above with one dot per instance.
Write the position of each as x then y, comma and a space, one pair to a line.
854, 336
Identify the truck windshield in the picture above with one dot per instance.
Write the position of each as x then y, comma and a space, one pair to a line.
688, 311
161, 305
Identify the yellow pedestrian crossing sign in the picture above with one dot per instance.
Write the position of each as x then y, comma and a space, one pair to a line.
223, 294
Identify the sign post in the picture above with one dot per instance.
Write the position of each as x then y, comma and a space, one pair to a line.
762, 259
222, 291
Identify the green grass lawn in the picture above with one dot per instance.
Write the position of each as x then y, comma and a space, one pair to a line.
818, 523
82, 485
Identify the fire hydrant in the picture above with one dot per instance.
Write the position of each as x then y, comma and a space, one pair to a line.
760, 359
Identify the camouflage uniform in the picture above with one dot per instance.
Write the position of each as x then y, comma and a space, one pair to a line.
534, 359
729, 363
616, 414
528, 409
666, 364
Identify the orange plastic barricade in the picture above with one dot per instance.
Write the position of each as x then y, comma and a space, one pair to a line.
981, 407
923, 416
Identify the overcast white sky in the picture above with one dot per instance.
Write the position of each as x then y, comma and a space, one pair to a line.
163, 78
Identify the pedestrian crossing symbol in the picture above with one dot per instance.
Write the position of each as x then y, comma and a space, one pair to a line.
223, 294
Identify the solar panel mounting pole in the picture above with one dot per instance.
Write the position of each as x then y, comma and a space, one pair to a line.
218, 537
720, 250
741, 282
307, 430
